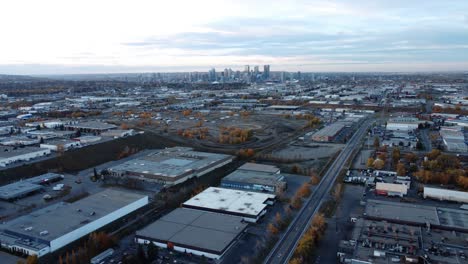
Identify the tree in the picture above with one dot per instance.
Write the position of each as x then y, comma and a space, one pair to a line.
419, 145
433, 154
152, 251
370, 162
304, 190
314, 180
279, 221
396, 155
41, 141
95, 173
272, 229
379, 164
401, 170
376, 142
32, 259
141, 256
296, 202
411, 157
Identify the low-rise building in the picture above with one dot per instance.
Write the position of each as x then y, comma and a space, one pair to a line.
193, 231
391, 189
445, 195
256, 177
51, 228
249, 205
328, 133
10, 155
23, 188
61, 144
171, 166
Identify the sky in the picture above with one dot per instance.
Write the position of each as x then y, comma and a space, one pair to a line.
102, 36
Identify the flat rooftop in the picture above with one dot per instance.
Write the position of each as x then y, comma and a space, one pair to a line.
23, 187
171, 162
62, 218
206, 231
19, 151
330, 130
96, 125
249, 166
405, 212
254, 177
237, 202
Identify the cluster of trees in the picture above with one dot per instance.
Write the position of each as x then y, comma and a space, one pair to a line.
375, 163
440, 168
307, 244
199, 133
246, 153
33, 259
96, 243
127, 151
278, 225
77, 114
147, 256
301, 193
186, 112
233, 135
456, 110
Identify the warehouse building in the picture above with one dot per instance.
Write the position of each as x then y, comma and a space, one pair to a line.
256, 178
171, 166
249, 205
51, 228
9, 155
91, 126
193, 231
391, 189
61, 144
328, 133
445, 195
403, 124
417, 215
249, 166
26, 187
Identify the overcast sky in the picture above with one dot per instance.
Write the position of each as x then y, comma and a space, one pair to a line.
55, 37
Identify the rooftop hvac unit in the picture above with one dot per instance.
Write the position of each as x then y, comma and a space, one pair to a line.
29, 228
44, 233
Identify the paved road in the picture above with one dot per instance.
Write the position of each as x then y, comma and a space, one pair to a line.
284, 248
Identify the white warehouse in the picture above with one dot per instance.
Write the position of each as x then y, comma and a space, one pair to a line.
445, 195
51, 228
10, 155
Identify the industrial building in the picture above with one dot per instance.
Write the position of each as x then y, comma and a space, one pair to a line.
51, 228
376, 242
193, 231
249, 205
91, 126
328, 133
171, 166
23, 188
417, 215
9, 155
61, 144
454, 139
249, 166
256, 177
391, 189
403, 124
445, 195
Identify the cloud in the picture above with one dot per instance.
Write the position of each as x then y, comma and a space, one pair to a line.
177, 35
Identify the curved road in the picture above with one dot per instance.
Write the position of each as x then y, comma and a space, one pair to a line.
284, 248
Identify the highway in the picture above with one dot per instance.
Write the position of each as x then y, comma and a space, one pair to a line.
283, 251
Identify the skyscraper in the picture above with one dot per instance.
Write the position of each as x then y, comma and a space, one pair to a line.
247, 69
212, 75
266, 71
